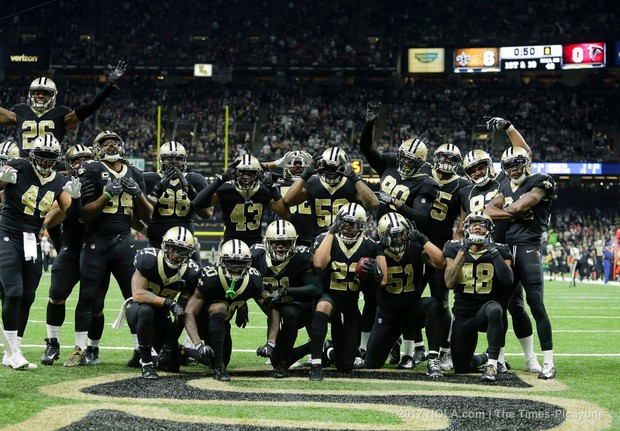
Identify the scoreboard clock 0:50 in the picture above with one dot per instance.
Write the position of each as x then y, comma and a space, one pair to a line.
531, 57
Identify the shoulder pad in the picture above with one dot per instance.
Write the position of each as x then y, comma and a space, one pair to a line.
146, 259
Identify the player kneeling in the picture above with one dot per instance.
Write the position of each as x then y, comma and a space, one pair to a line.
479, 272
400, 306
160, 276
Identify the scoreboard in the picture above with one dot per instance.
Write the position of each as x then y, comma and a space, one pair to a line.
583, 55
531, 57
467, 60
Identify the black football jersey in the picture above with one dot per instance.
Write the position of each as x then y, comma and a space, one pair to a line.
403, 279
405, 190
213, 286
116, 215
301, 216
529, 230
164, 281
478, 282
174, 206
326, 200
243, 212
72, 227
28, 200
446, 209
475, 198
30, 125
339, 276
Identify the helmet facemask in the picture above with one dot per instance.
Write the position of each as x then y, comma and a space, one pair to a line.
45, 154
235, 258
516, 165
172, 155
178, 245
42, 94
330, 176
447, 161
477, 228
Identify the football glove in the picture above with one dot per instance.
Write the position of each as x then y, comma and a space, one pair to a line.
371, 266
176, 310
73, 187
131, 186
347, 171
385, 198
113, 187
266, 350
231, 172
267, 179
465, 244
205, 354
314, 167
274, 298
158, 189
242, 317
416, 235
334, 228
8, 175
491, 247
497, 123
114, 73
286, 159
372, 111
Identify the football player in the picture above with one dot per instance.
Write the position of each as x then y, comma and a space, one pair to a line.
524, 200
479, 272
161, 275
171, 191
292, 284
400, 306
40, 116
30, 189
66, 267
222, 290
107, 246
337, 254
327, 184
244, 191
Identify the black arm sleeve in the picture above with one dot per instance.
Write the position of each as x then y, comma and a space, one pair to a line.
55, 234
420, 212
372, 155
504, 274
84, 111
203, 200
309, 291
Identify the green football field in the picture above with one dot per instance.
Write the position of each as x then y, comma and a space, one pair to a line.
584, 396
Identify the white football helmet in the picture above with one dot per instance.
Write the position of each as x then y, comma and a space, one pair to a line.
411, 156
478, 226
40, 102
295, 166
45, 154
235, 258
332, 159
77, 153
172, 154
447, 158
250, 171
393, 232
516, 164
280, 240
8, 150
473, 162
353, 221
178, 245
109, 147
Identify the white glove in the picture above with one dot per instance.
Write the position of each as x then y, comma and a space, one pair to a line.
285, 160
8, 175
306, 157
73, 187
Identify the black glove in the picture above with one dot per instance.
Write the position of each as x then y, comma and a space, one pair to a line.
371, 266
347, 171
266, 350
372, 111
131, 186
88, 189
231, 172
497, 123
113, 187
242, 316
173, 307
491, 247
465, 244
336, 222
385, 198
205, 355
416, 235
267, 179
114, 74
189, 190
313, 167
275, 298
159, 188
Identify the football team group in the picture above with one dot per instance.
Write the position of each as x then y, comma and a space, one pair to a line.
478, 235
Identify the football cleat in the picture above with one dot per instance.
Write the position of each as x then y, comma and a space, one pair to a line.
279, 372
532, 365
433, 368
502, 367
92, 355
326, 360
394, 356
316, 373
220, 373
148, 372
52, 351
445, 360
547, 372
17, 360
406, 363
77, 358
358, 363
169, 359
419, 355
490, 373
134, 362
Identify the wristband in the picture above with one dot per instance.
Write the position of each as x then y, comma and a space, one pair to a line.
510, 128
271, 343
108, 194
